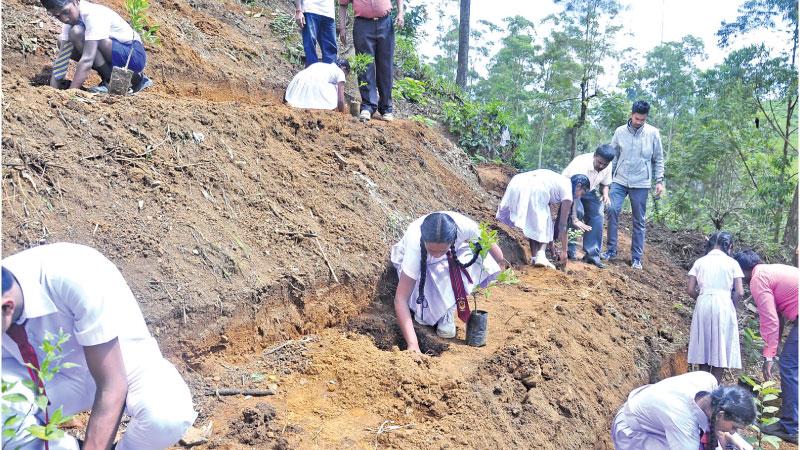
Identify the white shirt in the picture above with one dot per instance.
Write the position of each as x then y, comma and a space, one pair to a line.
76, 289
716, 271
315, 87
101, 23
321, 7
558, 186
668, 409
584, 165
468, 230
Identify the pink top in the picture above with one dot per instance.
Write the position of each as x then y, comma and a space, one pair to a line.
369, 9
774, 288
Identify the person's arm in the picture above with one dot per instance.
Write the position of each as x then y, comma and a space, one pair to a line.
604, 194
299, 16
738, 290
105, 364
341, 28
341, 107
401, 296
85, 64
566, 205
576, 222
497, 254
691, 287
400, 20
658, 162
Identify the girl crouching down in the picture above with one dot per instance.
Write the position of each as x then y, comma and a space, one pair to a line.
437, 270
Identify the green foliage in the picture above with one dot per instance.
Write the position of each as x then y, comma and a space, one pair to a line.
574, 234
285, 28
410, 89
137, 10
480, 128
423, 120
49, 366
359, 63
486, 240
765, 392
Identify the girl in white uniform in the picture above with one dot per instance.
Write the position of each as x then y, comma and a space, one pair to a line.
683, 413
526, 205
433, 247
714, 339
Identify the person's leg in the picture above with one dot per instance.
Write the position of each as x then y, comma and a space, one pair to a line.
593, 216
310, 32
326, 35
717, 372
638, 209
788, 368
384, 63
364, 42
617, 193
160, 407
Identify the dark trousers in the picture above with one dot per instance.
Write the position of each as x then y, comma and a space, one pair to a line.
638, 196
322, 30
788, 365
590, 211
376, 38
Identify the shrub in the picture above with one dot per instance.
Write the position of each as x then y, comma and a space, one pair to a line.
137, 10
359, 63
410, 89
285, 27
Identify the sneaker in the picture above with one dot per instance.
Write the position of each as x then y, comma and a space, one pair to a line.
636, 264
446, 326
101, 88
778, 430
388, 117
365, 115
143, 84
542, 261
607, 256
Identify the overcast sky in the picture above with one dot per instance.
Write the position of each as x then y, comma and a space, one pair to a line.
645, 23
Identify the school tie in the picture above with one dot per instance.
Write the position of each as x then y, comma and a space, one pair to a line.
18, 334
62, 61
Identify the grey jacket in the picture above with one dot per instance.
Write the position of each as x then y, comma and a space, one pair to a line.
639, 154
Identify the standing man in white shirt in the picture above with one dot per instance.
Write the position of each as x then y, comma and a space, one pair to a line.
119, 366
316, 19
597, 167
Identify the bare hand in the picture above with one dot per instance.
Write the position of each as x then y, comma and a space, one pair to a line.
399, 21
766, 370
581, 226
342, 32
659, 189
300, 18
414, 349
606, 200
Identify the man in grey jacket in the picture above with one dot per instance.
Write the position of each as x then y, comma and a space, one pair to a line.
639, 159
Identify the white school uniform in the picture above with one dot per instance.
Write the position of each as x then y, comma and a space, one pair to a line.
315, 87
526, 202
406, 256
321, 7
101, 22
76, 289
663, 416
714, 338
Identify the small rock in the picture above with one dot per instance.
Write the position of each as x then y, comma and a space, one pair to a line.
141, 204
198, 137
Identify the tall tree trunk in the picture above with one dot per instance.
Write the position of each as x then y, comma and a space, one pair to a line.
790, 232
463, 45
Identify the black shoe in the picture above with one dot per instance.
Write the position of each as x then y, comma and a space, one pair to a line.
778, 430
594, 261
572, 257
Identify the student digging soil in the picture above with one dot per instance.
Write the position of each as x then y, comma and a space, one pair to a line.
100, 40
434, 279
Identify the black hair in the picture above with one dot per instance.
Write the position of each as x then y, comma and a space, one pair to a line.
55, 5
640, 107
438, 228
736, 403
747, 259
581, 179
606, 151
723, 239
343, 64
8, 280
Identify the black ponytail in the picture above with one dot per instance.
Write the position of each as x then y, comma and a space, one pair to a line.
422, 273
736, 404
475, 255
723, 239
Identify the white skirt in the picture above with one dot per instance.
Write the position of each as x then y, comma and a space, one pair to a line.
714, 338
527, 207
439, 294
625, 437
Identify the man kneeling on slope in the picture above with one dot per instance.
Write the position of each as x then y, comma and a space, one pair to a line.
319, 86
115, 364
98, 38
